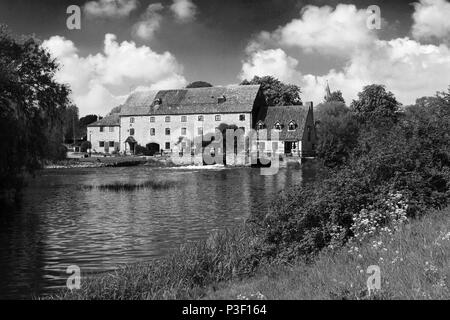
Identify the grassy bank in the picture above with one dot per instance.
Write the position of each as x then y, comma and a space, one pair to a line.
414, 264
185, 274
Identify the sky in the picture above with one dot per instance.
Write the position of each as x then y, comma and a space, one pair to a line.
129, 45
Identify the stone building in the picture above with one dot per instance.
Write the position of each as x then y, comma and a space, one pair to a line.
104, 134
166, 121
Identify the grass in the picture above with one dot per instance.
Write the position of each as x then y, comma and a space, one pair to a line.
414, 264
126, 186
185, 274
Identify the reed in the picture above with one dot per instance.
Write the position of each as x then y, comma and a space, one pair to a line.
129, 186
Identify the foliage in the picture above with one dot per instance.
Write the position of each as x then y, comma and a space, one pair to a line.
276, 92
337, 133
336, 96
375, 104
185, 274
199, 84
85, 146
32, 106
410, 156
413, 260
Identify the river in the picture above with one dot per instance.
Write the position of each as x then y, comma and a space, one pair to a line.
60, 223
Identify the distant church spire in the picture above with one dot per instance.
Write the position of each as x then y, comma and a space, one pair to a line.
328, 92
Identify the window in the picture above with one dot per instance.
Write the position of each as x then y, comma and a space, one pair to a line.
101, 144
274, 146
152, 119
131, 132
167, 119
261, 146
111, 129
199, 130
167, 145
167, 131
183, 131
277, 126
218, 117
242, 117
260, 125
102, 129
309, 133
152, 131
200, 118
111, 144
291, 126
131, 120
183, 118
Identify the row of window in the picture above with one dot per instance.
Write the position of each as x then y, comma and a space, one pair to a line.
218, 117
111, 129
101, 144
262, 145
167, 131
277, 126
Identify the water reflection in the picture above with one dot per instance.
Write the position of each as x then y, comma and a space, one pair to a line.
59, 223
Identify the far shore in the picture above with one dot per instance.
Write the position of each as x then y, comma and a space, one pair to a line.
100, 161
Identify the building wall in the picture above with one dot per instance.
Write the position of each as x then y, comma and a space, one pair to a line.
142, 126
95, 136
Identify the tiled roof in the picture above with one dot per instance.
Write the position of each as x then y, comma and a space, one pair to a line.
108, 121
231, 99
284, 115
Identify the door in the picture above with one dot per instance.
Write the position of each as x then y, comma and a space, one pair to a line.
288, 147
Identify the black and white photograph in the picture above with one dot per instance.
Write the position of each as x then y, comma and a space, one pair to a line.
223, 155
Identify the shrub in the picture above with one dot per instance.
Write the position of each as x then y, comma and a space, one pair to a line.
408, 157
85, 146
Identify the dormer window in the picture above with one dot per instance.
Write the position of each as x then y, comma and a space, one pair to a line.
158, 101
260, 125
292, 126
221, 99
277, 126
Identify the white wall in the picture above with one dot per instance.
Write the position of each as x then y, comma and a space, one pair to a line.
95, 136
142, 127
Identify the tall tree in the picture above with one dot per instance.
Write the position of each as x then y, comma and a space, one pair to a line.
337, 133
85, 121
376, 103
199, 84
276, 92
32, 105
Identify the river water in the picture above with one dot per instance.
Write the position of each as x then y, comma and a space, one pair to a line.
61, 223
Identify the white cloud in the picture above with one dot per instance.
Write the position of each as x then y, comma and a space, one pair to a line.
110, 8
102, 81
184, 10
431, 19
409, 69
325, 30
150, 22
274, 62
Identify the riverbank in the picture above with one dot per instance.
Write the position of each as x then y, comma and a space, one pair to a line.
98, 162
414, 264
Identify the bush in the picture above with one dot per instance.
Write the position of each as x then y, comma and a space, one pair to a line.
85, 146
410, 157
